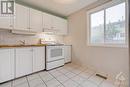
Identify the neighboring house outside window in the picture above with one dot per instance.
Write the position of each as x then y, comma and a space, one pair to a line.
107, 25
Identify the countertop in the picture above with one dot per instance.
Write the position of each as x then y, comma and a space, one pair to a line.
32, 45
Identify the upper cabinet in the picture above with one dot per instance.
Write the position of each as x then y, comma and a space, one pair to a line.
54, 24
6, 22
21, 20
47, 22
35, 20
29, 20
60, 25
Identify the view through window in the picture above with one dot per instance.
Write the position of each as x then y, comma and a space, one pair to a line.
108, 25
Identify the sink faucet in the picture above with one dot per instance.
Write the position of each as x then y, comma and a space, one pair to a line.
22, 42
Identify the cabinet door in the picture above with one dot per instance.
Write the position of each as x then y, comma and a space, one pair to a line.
38, 59
23, 61
47, 22
35, 20
6, 64
56, 23
64, 27
60, 25
6, 22
67, 54
21, 20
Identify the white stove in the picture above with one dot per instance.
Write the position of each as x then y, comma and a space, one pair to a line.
54, 56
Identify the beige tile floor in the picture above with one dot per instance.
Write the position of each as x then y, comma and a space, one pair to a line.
69, 75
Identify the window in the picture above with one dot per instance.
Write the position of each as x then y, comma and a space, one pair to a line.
108, 26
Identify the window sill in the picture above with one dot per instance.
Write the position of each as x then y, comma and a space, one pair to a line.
108, 45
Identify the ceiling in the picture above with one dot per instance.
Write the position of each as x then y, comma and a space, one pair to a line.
59, 7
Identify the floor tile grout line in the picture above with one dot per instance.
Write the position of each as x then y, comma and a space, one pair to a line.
42, 79
84, 80
69, 78
12, 84
66, 76
71, 72
39, 78
92, 81
101, 83
57, 80
54, 72
28, 81
78, 74
73, 76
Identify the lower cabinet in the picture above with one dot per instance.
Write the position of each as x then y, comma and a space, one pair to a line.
23, 61
17, 62
38, 58
67, 52
6, 64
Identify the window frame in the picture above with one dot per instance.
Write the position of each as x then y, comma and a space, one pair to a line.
104, 7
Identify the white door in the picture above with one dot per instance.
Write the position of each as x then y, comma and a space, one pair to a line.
21, 19
23, 61
38, 58
47, 22
6, 22
35, 20
6, 64
67, 50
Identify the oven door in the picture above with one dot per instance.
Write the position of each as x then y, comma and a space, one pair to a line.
54, 53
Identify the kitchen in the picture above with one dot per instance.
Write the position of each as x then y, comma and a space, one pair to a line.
46, 44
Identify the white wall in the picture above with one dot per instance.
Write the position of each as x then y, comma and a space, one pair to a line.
104, 59
7, 38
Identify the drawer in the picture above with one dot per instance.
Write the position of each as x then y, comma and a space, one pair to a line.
54, 64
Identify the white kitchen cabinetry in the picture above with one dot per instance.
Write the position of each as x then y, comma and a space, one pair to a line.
6, 64
54, 24
28, 20
47, 22
35, 20
67, 50
21, 19
60, 25
38, 58
17, 62
6, 22
23, 61
64, 27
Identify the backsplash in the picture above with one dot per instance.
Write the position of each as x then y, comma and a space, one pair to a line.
7, 38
